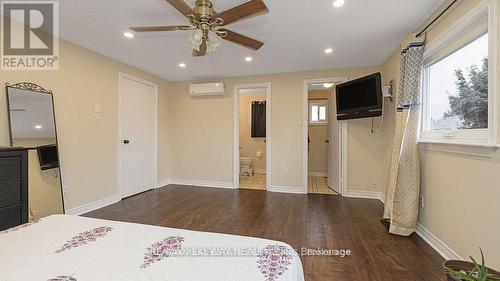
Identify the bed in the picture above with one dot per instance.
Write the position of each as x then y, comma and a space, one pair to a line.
73, 248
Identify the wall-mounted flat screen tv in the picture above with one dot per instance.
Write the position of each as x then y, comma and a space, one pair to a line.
360, 98
48, 157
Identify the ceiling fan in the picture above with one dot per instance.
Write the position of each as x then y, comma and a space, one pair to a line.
207, 24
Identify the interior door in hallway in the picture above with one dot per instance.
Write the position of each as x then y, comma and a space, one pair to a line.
333, 145
137, 118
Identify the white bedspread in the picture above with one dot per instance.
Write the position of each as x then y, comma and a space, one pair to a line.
63, 247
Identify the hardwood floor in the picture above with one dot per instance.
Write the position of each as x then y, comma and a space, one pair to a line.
311, 221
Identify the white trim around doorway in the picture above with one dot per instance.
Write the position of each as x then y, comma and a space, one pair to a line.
122, 76
236, 130
343, 133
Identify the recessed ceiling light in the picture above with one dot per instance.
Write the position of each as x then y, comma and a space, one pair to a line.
328, 50
128, 34
327, 85
249, 59
182, 65
38, 127
338, 3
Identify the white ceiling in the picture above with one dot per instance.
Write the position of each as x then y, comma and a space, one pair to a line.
295, 32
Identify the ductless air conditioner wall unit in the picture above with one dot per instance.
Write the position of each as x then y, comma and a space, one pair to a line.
207, 89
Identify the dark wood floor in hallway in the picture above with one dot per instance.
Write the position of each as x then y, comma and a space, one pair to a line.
311, 221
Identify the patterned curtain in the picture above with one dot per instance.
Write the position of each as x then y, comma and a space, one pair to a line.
403, 186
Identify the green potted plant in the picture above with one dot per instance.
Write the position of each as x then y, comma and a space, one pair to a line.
469, 271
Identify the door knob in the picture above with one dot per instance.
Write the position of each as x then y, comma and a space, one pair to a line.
126, 141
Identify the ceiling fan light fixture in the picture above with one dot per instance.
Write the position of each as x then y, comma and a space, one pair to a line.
195, 39
208, 25
213, 42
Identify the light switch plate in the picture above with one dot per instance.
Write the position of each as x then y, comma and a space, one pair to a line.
97, 108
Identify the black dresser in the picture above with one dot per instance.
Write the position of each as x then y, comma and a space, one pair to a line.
13, 187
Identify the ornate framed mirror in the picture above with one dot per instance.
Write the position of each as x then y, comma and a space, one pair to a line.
32, 125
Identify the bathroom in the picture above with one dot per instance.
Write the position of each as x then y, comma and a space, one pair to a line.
252, 138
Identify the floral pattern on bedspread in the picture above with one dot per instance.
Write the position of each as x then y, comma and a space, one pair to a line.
63, 278
162, 249
16, 228
274, 261
84, 238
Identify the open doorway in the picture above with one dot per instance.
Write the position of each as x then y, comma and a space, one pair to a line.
252, 136
324, 149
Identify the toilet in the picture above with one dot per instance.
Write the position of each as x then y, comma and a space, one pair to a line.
246, 166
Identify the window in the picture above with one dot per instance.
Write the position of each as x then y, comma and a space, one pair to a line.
318, 113
456, 88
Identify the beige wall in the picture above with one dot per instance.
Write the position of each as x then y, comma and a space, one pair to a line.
250, 146
461, 192
318, 149
87, 149
201, 143
390, 71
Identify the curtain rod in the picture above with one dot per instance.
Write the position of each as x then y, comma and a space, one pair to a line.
437, 17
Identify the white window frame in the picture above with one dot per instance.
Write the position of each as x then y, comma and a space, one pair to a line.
318, 103
449, 42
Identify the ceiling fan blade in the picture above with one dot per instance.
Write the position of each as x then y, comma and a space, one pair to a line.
241, 40
243, 11
202, 51
161, 28
181, 6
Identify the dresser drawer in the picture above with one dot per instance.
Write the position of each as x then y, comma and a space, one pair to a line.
10, 193
10, 217
10, 168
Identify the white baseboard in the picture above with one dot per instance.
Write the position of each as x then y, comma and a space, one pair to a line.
286, 189
444, 250
93, 206
317, 174
163, 183
364, 194
203, 183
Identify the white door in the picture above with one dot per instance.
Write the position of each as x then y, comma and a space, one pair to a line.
333, 145
137, 113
